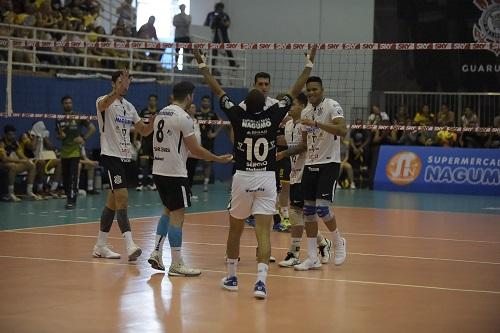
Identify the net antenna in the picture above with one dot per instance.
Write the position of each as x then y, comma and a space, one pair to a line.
8, 86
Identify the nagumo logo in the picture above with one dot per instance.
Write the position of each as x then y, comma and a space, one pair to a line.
403, 168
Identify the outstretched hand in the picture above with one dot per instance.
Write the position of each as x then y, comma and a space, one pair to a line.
226, 158
122, 83
198, 56
312, 54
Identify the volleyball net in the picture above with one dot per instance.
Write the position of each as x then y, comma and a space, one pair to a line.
345, 68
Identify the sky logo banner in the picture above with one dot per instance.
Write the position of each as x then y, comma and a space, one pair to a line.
438, 170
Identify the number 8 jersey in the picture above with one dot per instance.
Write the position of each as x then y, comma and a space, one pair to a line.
255, 134
171, 126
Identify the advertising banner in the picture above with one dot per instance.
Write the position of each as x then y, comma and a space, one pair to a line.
438, 170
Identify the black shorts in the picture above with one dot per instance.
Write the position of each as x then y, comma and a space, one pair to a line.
174, 191
116, 170
320, 181
296, 196
284, 168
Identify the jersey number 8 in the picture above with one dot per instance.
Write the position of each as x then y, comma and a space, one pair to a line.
254, 149
159, 132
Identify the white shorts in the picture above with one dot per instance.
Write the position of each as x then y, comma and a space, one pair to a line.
253, 193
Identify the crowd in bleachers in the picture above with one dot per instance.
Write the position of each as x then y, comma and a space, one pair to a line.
79, 17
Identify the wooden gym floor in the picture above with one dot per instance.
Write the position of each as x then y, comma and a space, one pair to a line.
413, 265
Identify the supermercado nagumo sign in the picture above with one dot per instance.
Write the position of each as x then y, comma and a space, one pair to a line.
438, 170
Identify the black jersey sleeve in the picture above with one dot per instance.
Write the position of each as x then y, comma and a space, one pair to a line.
279, 110
232, 111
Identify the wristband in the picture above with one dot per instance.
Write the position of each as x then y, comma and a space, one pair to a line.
202, 65
309, 63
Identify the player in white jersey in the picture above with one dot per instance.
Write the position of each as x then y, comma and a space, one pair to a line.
253, 190
323, 125
116, 116
293, 137
174, 138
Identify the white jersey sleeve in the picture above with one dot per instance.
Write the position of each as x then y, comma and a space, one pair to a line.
322, 147
293, 136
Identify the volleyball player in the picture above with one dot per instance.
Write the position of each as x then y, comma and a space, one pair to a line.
293, 137
253, 189
174, 137
323, 125
115, 116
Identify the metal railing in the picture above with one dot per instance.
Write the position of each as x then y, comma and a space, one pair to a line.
146, 63
485, 105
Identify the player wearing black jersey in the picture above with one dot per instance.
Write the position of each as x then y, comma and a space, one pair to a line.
254, 182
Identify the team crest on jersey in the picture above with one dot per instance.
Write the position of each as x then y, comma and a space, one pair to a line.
117, 179
487, 29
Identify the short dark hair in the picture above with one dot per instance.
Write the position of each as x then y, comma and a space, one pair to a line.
206, 97
315, 79
182, 89
261, 75
255, 101
117, 74
219, 5
153, 95
65, 98
9, 128
302, 98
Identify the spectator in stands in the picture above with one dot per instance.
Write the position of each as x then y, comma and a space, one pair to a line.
219, 22
404, 137
376, 116
445, 117
88, 165
37, 146
13, 161
126, 13
493, 140
472, 139
71, 136
148, 31
182, 22
424, 117
359, 153
469, 117
402, 115
346, 176
145, 147
208, 134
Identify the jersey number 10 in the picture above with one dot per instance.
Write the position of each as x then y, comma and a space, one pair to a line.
253, 149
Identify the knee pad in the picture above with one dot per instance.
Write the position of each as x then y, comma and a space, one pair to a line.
323, 212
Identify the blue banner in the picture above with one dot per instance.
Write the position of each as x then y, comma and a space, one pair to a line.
438, 170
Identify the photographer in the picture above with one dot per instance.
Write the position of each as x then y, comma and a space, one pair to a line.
219, 22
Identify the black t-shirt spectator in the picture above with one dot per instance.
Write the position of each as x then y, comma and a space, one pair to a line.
255, 134
206, 128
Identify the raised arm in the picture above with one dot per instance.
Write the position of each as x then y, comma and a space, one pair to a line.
119, 87
301, 80
212, 83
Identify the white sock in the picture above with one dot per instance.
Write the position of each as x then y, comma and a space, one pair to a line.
232, 265
312, 249
39, 187
102, 237
54, 186
336, 237
262, 272
176, 254
128, 238
90, 184
295, 246
11, 189
159, 240
29, 189
206, 181
320, 239
284, 212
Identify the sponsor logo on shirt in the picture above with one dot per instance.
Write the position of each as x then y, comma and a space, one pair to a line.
256, 124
